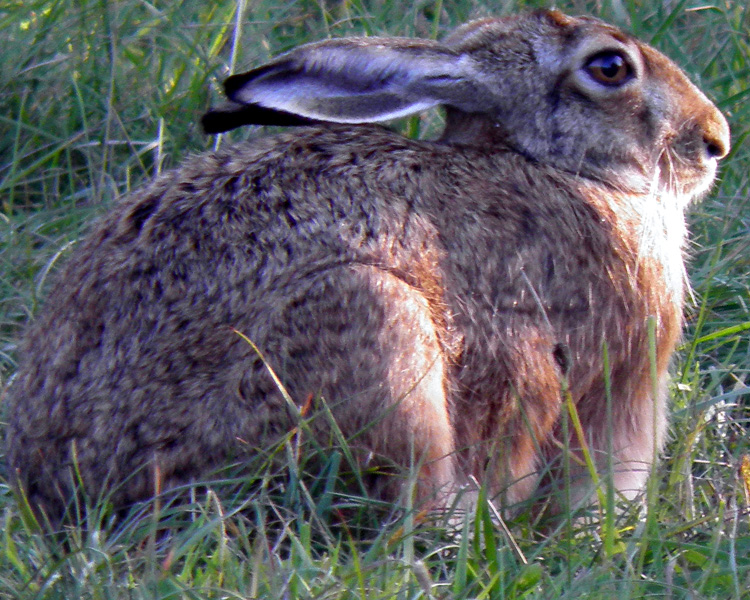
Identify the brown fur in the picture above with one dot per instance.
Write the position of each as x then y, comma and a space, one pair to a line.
437, 291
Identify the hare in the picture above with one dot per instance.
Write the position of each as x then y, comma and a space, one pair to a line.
442, 296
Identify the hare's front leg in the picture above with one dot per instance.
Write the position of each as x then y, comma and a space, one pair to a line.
623, 439
637, 438
365, 341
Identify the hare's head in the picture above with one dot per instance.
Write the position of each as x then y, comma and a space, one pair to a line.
574, 93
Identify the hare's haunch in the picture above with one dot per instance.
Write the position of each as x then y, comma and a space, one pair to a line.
435, 294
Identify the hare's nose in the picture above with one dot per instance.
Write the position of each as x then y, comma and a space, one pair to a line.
716, 136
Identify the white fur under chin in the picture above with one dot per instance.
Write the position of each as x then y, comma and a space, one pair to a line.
663, 233
659, 218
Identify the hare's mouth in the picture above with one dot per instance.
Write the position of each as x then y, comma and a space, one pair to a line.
689, 158
686, 176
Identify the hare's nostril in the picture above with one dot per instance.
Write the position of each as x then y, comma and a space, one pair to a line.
716, 146
713, 149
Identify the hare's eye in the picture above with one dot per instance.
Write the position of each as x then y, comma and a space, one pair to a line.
609, 68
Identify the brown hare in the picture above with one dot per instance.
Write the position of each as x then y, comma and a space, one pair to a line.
434, 293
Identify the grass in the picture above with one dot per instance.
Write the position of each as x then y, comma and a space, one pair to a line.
99, 96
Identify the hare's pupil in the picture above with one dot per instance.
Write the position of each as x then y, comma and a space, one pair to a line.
609, 68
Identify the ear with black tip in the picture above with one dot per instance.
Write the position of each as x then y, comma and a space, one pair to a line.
350, 81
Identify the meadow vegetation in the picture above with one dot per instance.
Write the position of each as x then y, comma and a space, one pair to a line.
98, 97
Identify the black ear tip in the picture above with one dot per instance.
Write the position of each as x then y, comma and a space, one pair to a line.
225, 117
214, 122
234, 83
232, 115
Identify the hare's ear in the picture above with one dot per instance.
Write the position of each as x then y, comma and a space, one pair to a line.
354, 81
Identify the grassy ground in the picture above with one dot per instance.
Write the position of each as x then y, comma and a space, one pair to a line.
98, 96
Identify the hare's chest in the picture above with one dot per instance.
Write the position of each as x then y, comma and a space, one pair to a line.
658, 230
671, 226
